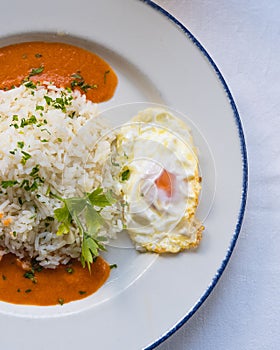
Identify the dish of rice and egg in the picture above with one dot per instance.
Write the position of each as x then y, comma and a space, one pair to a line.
62, 197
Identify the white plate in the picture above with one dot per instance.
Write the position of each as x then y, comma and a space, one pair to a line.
157, 61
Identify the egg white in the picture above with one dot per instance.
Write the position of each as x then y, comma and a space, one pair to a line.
159, 218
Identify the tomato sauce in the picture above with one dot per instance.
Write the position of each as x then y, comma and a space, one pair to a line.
47, 286
62, 64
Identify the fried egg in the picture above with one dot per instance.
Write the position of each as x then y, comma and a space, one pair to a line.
159, 181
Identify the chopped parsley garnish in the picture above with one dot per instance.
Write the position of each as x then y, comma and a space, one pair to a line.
20, 144
18, 290
15, 125
60, 102
80, 83
39, 108
82, 292
31, 186
30, 85
35, 171
25, 157
69, 270
113, 266
24, 122
15, 118
72, 115
60, 301
125, 175
30, 275
28, 290
36, 71
4, 277
9, 183
46, 131
70, 213
48, 100
28, 185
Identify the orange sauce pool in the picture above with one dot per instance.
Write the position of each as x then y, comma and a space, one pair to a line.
62, 64
50, 287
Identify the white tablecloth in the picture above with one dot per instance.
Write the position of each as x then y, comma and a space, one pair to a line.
243, 38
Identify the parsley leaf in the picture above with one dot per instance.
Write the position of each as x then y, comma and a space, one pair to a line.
63, 216
101, 199
70, 214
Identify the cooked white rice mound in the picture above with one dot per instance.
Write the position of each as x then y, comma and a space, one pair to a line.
43, 147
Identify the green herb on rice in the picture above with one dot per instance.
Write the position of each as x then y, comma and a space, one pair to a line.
125, 175
20, 144
9, 183
30, 85
89, 207
25, 157
60, 102
29, 121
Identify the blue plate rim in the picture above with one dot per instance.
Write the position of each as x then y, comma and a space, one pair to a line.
244, 182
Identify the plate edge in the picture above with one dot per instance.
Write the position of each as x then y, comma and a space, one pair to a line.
244, 170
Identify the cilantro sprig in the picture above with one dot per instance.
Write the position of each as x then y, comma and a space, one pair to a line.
84, 213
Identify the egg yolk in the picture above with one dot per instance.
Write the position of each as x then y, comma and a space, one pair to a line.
164, 182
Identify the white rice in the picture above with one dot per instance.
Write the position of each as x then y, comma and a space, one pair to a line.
70, 161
